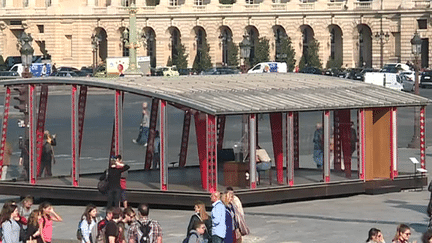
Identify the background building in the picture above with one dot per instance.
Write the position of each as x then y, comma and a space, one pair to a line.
358, 33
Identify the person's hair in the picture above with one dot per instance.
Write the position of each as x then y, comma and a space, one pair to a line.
7, 212
400, 229
143, 209
426, 236
230, 189
28, 199
87, 211
33, 218
109, 209
372, 233
202, 210
118, 156
43, 206
198, 224
128, 211
117, 213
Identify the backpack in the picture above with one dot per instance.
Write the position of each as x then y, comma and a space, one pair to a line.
101, 228
145, 231
186, 240
79, 233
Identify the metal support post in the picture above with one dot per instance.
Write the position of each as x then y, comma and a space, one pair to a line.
362, 144
220, 131
5, 124
32, 134
393, 143
152, 133
252, 151
337, 158
326, 173
290, 148
201, 136
119, 121
277, 138
212, 152
185, 138
81, 114
74, 137
163, 146
40, 129
296, 137
422, 137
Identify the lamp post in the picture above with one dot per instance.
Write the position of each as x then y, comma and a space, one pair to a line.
245, 46
26, 54
416, 43
132, 43
382, 37
95, 41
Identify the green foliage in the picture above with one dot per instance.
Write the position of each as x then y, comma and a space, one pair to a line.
202, 59
312, 59
334, 63
180, 60
288, 53
262, 53
170, 62
233, 51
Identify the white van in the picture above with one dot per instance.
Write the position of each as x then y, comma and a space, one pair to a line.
388, 80
269, 67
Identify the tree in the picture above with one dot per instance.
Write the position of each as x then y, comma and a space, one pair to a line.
180, 60
232, 58
288, 53
334, 63
202, 59
262, 53
312, 56
169, 62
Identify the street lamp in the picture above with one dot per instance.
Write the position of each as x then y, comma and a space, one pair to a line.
132, 43
382, 38
26, 54
95, 41
416, 44
245, 47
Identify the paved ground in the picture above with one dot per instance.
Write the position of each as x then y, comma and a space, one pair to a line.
328, 220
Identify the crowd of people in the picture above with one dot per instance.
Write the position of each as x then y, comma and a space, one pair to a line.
403, 234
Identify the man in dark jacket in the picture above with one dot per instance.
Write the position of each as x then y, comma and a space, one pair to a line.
114, 174
47, 154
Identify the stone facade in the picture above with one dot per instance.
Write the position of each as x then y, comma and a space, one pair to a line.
349, 30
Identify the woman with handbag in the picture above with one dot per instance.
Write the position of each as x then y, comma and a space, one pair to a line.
9, 225
33, 233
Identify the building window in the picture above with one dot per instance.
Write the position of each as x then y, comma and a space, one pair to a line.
41, 29
173, 2
198, 2
249, 1
422, 24
125, 3
68, 46
47, 3
25, 3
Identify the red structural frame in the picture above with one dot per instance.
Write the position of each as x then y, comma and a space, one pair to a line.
5, 125
185, 138
277, 138
422, 137
163, 141
43, 100
152, 133
32, 134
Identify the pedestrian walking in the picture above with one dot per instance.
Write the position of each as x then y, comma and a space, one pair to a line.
112, 230
123, 178
156, 151
114, 175
429, 207
230, 222
24, 159
87, 223
47, 154
135, 235
427, 236
403, 233
242, 229
196, 235
25, 207
375, 236
6, 160
144, 126
318, 141
9, 225
48, 215
218, 218
101, 226
33, 233
200, 215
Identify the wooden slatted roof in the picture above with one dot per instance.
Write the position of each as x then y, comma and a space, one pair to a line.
251, 93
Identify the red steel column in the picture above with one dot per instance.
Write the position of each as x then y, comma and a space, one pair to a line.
118, 122
201, 136
40, 129
296, 136
252, 150
326, 126
345, 132
220, 131
337, 145
5, 124
32, 134
152, 133
212, 152
290, 147
163, 141
422, 137
81, 114
362, 147
393, 143
74, 137
277, 137
185, 138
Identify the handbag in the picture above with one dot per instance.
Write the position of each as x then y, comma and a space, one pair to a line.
103, 184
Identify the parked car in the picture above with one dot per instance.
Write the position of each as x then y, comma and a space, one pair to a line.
185, 71
168, 71
426, 79
221, 71
61, 69
312, 70
409, 74
87, 70
398, 66
65, 74
360, 76
408, 84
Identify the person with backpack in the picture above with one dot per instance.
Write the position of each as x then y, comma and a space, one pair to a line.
144, 230
101, 226
200, 215
9, 226
197, 234
112, 233
85, 227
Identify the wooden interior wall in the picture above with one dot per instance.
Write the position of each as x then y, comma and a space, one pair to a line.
377, 154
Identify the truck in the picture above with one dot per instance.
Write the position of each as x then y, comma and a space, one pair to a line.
117, 65
36, 69
388, 80
269, 67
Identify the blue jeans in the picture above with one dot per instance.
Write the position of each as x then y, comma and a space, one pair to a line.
318, 157
143, 135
